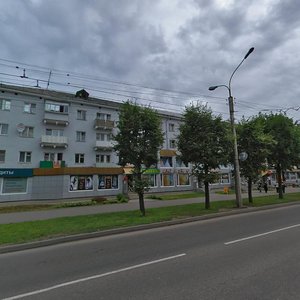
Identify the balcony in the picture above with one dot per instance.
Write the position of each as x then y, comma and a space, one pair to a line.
104, 124
49, 141
103, 146
45, 164
56, 118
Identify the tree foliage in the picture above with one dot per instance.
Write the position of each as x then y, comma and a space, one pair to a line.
138, 141
204, 141
253, 140
284, 153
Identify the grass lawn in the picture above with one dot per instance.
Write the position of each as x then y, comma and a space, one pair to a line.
34, 207
37, 230
176, 196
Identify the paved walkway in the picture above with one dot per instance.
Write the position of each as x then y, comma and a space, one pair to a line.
17, 217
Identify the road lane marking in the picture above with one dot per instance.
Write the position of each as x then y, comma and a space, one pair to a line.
94, 277
261, 234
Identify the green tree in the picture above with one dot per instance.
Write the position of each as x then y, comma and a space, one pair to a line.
203, 141
138, 141
256, 143
285, 151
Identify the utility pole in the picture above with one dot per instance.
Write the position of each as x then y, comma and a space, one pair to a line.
237, 177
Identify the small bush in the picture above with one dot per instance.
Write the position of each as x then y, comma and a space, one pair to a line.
121, 198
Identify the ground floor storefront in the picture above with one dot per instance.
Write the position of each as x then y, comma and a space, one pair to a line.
78, 182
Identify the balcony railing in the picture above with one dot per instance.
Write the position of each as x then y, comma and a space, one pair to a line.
104, 124
103, 146
56, 118
54, 141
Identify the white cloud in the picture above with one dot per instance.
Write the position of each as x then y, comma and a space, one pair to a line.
169, 44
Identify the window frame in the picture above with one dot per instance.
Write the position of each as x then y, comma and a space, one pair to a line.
27, 157
5, 104
2, 156
28, 132
1, 128
79, 158
80, 136
81, 114
31, 106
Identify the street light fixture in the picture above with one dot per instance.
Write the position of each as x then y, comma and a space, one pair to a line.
238, 192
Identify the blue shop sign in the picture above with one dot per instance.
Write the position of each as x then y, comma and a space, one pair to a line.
16, 172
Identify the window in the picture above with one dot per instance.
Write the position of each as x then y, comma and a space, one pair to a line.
100, 136
171, 127
29, 108
80, 136
107, 182
2, 156
3, 129
79, 158
81, 114
54, 132
180, 163
172, 143
51, 156
81, 183
102, 158
103, 116
57, 107
25, 157
151, 179
14, 185
4, 104
166, 162
167, 179
183, 179
27, 132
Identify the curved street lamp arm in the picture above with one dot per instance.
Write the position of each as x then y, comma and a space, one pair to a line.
248, 53
229, 85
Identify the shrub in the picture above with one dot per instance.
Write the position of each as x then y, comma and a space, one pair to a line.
121, 198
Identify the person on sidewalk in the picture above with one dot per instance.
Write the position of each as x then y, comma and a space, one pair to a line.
266, 187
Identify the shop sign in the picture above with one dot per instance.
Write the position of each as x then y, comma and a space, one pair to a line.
16, 172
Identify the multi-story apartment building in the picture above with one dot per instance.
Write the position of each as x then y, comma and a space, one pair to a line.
56, 145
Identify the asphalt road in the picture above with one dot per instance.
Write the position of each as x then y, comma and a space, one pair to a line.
248, 256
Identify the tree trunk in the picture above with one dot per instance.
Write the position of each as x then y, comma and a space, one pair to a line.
142, 204
207, 202
250, 198
279, 180
140, 192
206, 187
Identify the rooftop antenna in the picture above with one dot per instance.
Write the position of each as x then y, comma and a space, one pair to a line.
24, 74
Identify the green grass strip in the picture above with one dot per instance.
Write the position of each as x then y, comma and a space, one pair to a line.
38, 230
176, 196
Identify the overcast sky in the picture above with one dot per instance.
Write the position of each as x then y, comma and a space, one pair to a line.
158, 52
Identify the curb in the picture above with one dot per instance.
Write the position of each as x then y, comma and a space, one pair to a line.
82, 236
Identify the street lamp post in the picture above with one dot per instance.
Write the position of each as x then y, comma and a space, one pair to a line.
238, 191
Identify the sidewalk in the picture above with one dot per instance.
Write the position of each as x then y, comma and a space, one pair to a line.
17, 217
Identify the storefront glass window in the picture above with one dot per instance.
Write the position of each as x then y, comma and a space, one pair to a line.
108, 182
14, 185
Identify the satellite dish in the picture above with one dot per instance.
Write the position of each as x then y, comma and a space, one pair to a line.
20, 127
